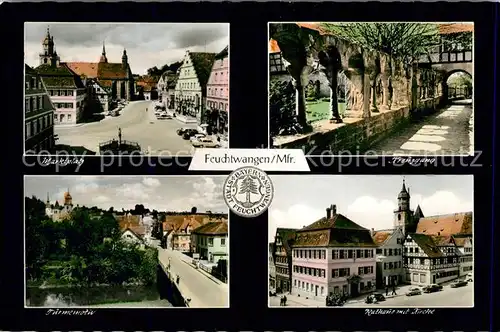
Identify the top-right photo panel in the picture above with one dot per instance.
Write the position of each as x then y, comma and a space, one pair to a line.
385, 89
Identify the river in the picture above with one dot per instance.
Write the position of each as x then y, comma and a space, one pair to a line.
102, 296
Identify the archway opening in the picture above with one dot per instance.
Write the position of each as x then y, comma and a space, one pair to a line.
459, 86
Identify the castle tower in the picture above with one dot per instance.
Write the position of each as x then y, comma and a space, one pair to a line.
48, 207
403, 216
68, 200
49, 55
103, 55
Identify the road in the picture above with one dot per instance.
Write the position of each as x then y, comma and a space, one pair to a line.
204, 290
449, 132
157, 137
448, 297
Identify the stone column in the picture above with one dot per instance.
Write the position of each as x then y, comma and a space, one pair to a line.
366, 95
385, 73
334, 105
299, 81
373, 90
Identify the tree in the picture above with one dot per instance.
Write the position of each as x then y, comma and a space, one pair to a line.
194, 210
111, 209
248, 186
139, 210
282, 105
406, 41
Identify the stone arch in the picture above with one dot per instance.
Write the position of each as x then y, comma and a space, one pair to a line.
456, 92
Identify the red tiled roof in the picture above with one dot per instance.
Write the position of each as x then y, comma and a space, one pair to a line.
88, 69
450, 28
213, 228
313, 26
336, 221
108, 70
448, 224
273, 46
125, 221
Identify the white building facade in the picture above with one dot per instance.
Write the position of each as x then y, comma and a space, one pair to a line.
389, 258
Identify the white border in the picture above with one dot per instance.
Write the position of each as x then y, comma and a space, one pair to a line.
364, 155
118, 307
141, 23
381, 306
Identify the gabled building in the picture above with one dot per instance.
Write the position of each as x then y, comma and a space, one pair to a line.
130, 236
38, 114
283, 258
389, 270
217, 103
191, 86
333, 255
115, 78
166, 88
146, 88
430, 259
464, 246
211, 241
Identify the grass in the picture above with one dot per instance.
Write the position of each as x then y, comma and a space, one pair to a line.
320, 110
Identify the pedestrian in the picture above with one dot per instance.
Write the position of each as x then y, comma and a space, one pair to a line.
178, 279
386, 290
284, 300
281, 301
394, 290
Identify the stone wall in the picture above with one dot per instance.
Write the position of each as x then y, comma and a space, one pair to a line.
358, 136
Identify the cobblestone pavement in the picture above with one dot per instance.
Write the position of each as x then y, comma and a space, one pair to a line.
448, 297
158, 137
449, 132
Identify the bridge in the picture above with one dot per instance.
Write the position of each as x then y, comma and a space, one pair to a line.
198, 288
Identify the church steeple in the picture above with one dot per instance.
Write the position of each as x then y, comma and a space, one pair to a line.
103, 55
48, 56
403, 215
124, 59
47, 202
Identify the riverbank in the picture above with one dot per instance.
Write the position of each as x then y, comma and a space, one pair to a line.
106, 296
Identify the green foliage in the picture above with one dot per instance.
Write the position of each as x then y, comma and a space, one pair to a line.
311, 92
283, 120
402, 40
86, 249
460, 79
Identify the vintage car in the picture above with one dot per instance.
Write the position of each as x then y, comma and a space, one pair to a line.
188, 133
205, 142
459, 283
414, 291
432, 288
197, 137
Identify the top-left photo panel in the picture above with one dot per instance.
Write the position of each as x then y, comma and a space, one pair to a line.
158, 89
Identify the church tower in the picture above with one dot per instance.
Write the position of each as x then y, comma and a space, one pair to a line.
403, 216
124, 59
48, 207
103, 55
49, 55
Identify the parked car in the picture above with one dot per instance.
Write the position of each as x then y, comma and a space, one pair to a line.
157, 112
163, 116
469, 277
196, 137
378, 297
460, 283
433, 288
181, 131
189, 133
272, 292
414, 291
205, 142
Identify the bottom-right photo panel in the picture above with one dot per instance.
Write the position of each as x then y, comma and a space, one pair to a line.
371, 241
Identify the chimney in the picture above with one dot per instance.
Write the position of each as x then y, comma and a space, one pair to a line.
333, 208
372, 231
328, 213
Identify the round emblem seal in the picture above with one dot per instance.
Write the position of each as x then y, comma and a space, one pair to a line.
248, 191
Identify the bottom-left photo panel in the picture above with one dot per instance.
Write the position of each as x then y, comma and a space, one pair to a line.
126, 241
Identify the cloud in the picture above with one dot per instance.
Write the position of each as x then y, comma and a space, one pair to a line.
442, 202
151, 182
297, 216
371, 212
83, 188
136, 191
147, 44
100, 199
